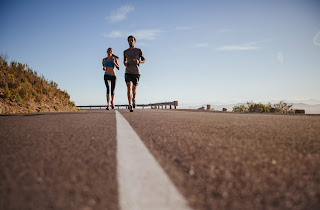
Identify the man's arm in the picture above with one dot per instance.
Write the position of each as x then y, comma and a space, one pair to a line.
143, 59
124, 59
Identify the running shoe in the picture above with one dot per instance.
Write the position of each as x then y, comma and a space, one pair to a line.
130, 108
107, 108
134, 104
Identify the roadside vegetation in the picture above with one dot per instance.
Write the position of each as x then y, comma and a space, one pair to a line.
280, 107
22, 90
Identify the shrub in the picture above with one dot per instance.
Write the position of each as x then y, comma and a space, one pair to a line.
240, 108
280, 107
7, 93
15, 97
24, 90
261, 107
283, 107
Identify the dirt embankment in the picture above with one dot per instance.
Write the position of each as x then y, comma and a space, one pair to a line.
23, 91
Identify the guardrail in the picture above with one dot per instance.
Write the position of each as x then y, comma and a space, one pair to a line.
152, 105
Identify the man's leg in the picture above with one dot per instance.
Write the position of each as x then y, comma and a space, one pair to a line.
134, 91
129, 92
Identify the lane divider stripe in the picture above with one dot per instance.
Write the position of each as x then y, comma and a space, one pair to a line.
143, 184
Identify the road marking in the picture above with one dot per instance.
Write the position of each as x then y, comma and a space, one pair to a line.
143, 184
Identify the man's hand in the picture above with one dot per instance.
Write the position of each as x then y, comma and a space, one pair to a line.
136, 61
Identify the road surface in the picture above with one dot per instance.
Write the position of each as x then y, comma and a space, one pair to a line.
214, 160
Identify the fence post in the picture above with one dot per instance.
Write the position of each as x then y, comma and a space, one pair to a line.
175, 104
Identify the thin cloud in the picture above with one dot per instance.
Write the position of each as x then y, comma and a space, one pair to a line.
114, 34
243, 47
120, 14
183, 28
202, 45
237, 48
224, 30
280, 57
146, 34
316, 39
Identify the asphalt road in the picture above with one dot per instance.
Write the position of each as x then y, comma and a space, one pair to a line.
58, 161
216, 160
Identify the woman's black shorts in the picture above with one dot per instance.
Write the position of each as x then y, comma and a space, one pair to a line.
134, 78
113, 80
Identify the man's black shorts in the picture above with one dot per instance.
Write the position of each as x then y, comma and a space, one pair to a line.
134, 78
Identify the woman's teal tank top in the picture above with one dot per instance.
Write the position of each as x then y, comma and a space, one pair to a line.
108, 63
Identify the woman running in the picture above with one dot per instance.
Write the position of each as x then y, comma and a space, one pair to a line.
110, 75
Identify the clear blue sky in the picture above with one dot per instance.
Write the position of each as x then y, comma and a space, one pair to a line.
196, 51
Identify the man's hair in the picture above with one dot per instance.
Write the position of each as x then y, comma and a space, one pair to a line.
132, 37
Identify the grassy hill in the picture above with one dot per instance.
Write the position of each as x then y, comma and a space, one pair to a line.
22, 90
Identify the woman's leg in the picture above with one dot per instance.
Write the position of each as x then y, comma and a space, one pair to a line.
108, 99
108, 88
113, 85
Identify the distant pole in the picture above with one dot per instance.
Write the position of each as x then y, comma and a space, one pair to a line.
175, 103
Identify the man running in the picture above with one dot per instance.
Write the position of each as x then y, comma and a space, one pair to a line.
131, 61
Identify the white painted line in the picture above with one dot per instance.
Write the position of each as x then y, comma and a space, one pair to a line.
143, 184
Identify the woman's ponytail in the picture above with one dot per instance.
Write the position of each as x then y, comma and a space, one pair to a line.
115, 56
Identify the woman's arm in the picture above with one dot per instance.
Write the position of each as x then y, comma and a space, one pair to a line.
103, 65
115, 61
